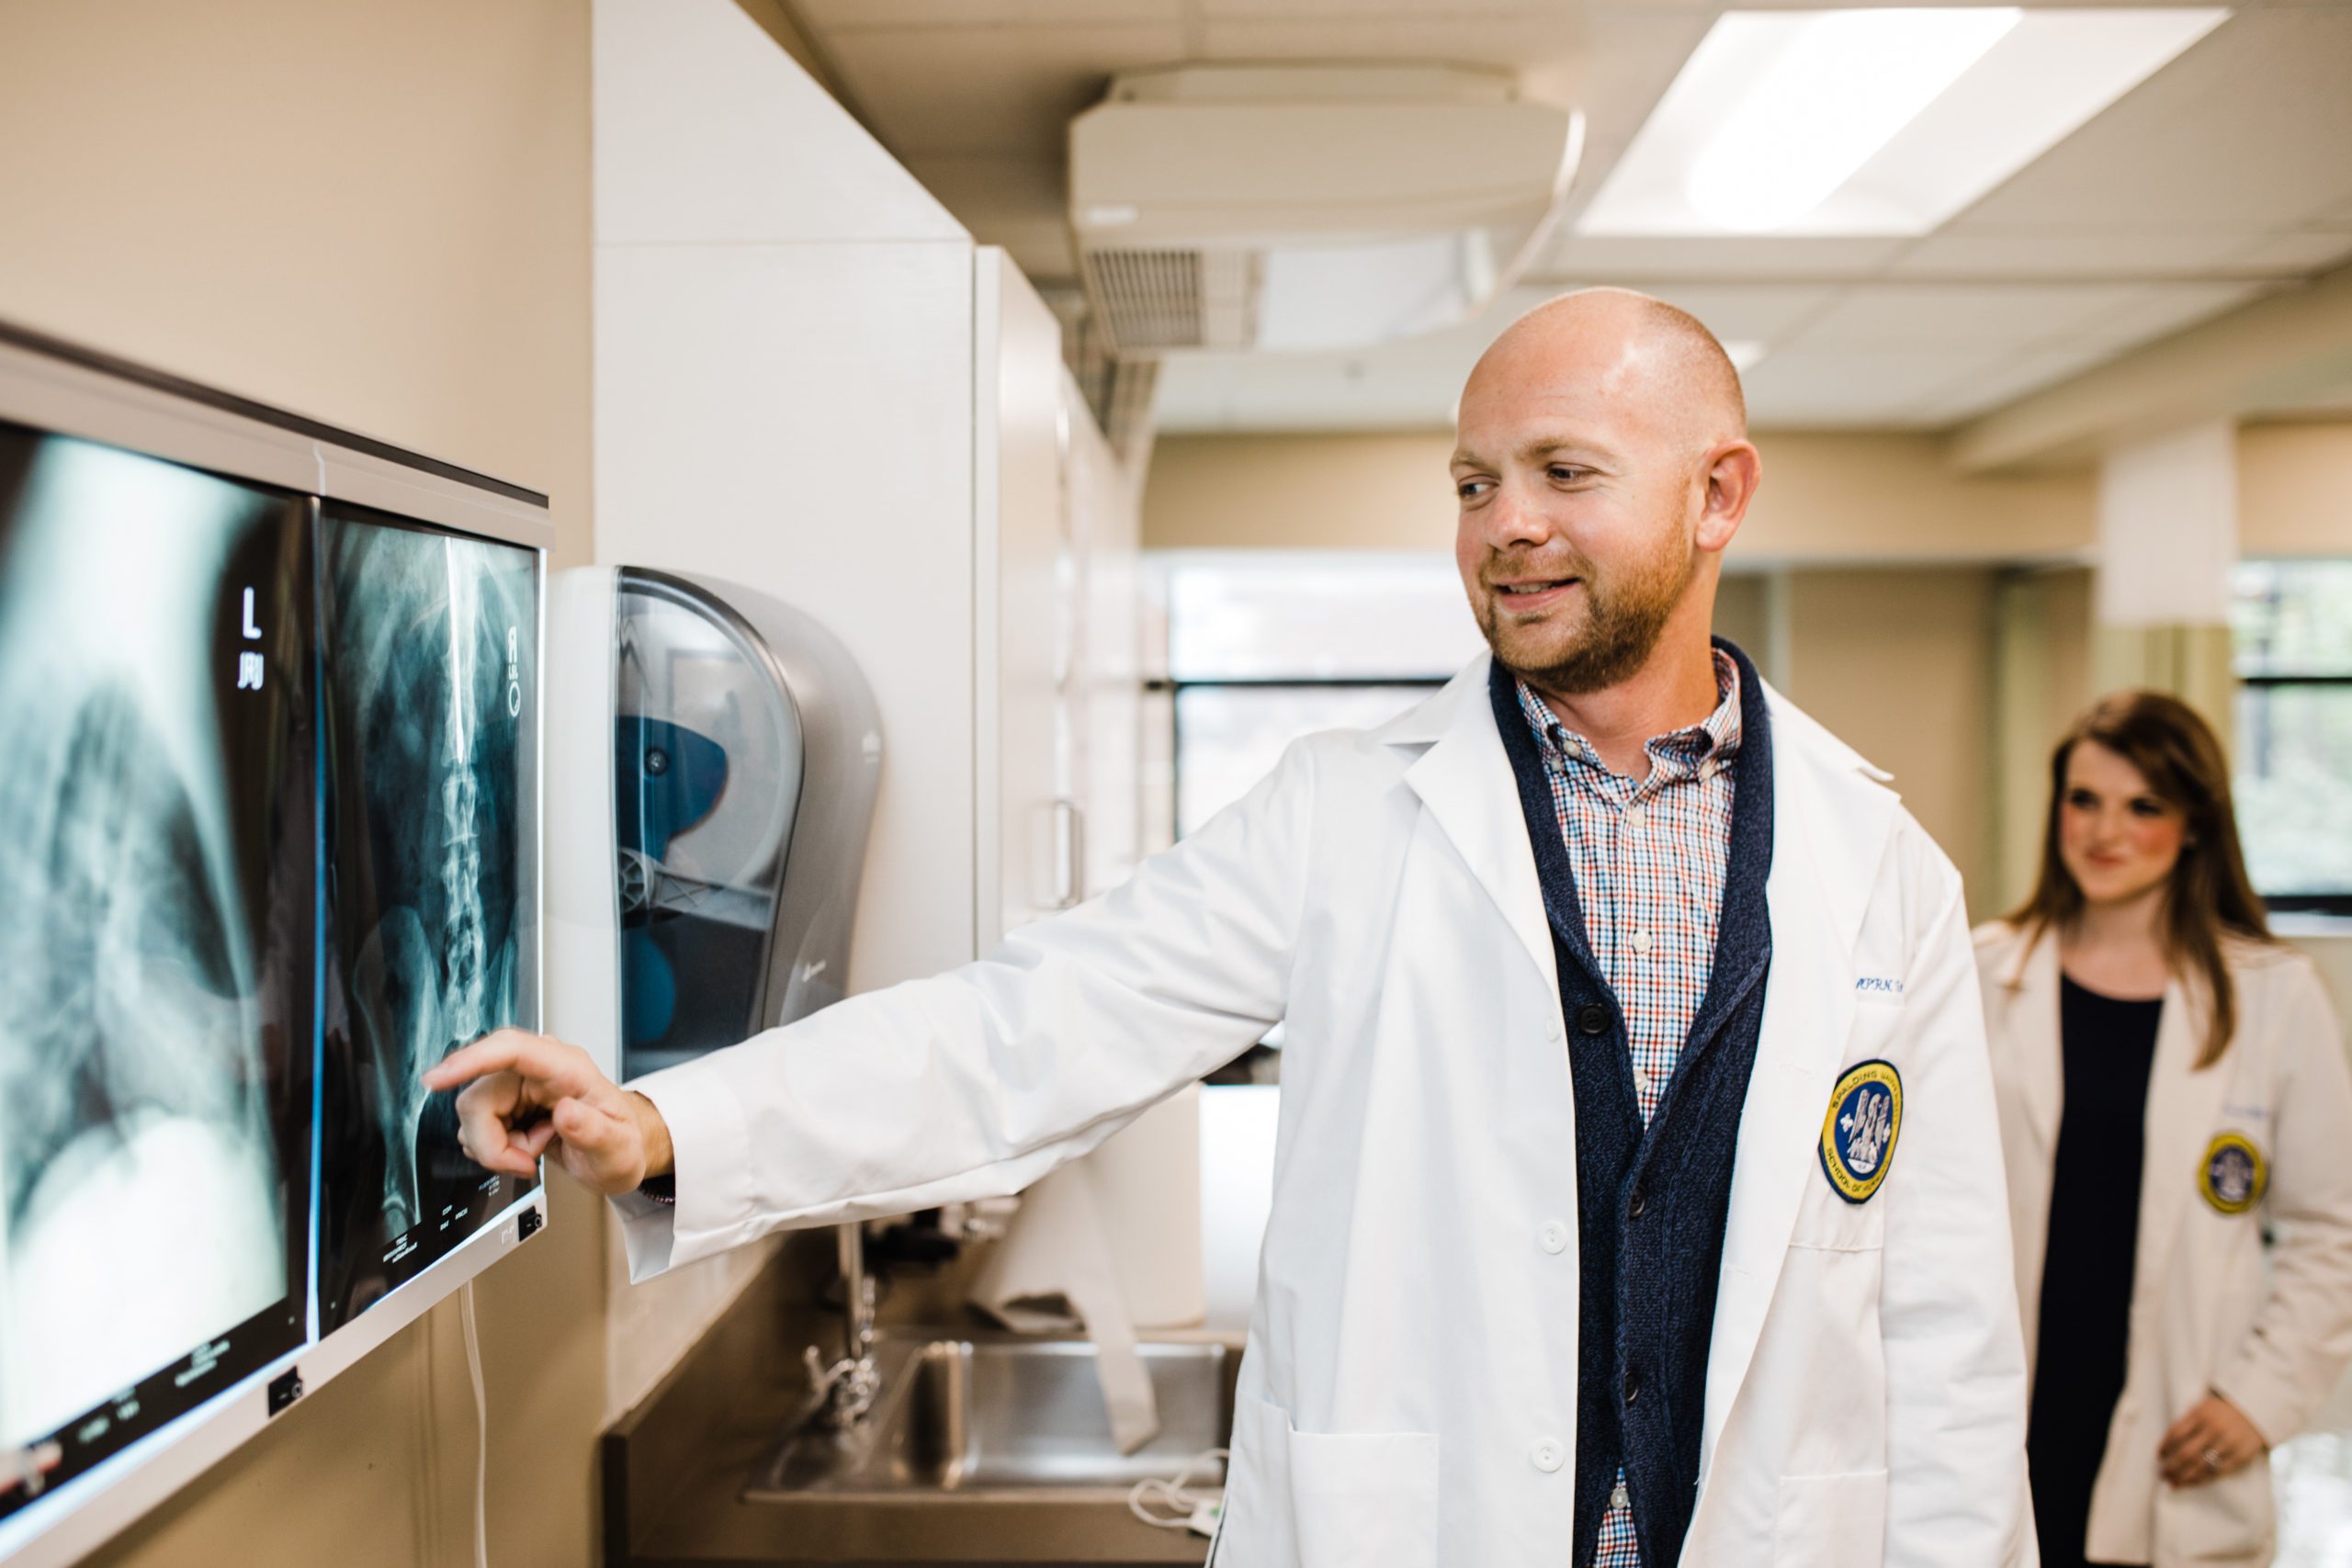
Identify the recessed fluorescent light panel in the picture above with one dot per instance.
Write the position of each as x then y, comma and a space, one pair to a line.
1876, 121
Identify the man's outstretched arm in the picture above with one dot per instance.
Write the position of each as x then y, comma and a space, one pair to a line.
966, 1085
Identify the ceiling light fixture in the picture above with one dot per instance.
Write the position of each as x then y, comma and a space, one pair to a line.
1873, 121
1838, 91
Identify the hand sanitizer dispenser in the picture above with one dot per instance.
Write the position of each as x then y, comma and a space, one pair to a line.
712, 760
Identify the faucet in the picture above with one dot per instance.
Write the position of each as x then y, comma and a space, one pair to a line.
849, 1386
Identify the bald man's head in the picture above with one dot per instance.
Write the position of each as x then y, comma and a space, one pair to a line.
1653, 356
1602, 463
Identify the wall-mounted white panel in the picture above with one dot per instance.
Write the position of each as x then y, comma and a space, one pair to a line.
706, 131
798, 419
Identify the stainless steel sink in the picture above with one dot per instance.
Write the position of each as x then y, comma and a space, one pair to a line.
1012, 1416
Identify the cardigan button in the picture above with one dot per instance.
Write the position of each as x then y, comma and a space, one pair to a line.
1636, 1203
1633, 1385
1592, 1019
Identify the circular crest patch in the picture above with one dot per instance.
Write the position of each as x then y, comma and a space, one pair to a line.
2233, 1174
1857, 1135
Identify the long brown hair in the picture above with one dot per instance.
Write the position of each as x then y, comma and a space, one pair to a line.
2210, 896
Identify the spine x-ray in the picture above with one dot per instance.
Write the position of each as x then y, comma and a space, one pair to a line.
429, 645
158, 858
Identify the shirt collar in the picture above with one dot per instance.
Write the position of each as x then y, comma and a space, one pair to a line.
1710, 743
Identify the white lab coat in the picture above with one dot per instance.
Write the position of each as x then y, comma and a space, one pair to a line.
2209, 1312
1408, 1398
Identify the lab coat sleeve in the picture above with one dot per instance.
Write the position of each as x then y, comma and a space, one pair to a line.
1955, 1356
976, 1082
2303, 1336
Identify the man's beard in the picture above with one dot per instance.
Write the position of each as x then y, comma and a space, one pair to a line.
1623, 618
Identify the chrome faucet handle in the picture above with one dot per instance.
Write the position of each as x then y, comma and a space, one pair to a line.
847, 1388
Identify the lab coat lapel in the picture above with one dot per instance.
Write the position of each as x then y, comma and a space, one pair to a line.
2031, 982
1465, 781
2184, 1104
1829, 830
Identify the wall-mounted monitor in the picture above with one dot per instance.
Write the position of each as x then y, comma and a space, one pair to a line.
269, 847
429, 652
157, 861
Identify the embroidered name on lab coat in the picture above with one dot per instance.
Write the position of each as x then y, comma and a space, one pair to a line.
2233, 1174
1857, 1135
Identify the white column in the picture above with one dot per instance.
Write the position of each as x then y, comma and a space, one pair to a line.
2167, 539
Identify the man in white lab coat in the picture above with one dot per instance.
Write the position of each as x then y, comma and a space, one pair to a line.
1637, 1196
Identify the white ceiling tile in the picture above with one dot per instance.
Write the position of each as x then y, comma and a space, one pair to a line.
2229, 135
1975, 391
2119, 252
1510, 41
1472, 12
1608, 258
827, 16
977, 90
2298, 250
1826, 387
1898, 314
2156, 310
1205, 392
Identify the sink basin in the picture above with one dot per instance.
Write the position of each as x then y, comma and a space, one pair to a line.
967, 1415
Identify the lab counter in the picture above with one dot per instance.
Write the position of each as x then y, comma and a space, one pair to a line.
693, 1477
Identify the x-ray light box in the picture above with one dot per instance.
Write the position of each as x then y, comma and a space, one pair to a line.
269, 846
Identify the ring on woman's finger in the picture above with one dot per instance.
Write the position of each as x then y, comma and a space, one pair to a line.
2213, 1459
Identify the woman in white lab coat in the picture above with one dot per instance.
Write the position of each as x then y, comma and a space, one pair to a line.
2172, 1085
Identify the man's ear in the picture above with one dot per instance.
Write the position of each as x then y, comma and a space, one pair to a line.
1733, 470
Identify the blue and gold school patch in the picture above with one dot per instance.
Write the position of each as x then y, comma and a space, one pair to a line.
1857, 1135
2233, 1174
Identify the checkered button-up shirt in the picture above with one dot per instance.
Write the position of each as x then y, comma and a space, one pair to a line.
1649, 858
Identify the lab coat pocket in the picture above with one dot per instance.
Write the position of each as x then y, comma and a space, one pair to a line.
1831, 1521
1335, 1499
2227, 1521
1365, 1498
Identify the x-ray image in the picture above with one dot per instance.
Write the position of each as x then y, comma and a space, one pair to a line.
430, 646
157, 867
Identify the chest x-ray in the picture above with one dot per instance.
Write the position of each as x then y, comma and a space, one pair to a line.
430, 646
157, 862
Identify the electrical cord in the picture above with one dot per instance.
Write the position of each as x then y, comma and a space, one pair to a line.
481, 1428
1195, 1510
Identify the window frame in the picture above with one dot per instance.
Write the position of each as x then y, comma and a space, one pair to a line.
2339, 902
1175, 689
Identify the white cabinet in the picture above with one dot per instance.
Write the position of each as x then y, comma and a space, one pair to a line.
810, 381
1058, 667
1107, 682
1026, 568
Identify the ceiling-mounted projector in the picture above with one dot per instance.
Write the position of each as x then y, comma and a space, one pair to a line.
1320, 207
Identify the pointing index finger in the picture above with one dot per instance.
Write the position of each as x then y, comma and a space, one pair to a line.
530, 1057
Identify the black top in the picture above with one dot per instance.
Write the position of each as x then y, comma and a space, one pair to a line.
2108, 1046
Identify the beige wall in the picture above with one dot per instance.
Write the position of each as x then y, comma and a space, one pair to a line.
1923, 716
376, 215
2292, 498
1826, 498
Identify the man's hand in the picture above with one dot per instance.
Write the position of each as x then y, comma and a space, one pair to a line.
527, 1095
2213, 1440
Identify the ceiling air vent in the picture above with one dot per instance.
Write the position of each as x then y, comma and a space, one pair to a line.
1309, 207
1151, 300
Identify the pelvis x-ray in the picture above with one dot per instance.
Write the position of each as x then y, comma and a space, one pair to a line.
157, 862
430, 650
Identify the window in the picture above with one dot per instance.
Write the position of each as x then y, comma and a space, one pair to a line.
2293, 632
1267, 646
